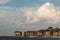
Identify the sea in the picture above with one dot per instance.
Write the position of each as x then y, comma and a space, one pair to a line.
27, 38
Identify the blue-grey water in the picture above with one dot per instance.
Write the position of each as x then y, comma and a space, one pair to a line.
27, 38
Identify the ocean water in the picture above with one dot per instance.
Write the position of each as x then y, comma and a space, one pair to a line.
27, 38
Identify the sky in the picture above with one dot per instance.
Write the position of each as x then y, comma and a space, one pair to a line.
22, 15
23, 3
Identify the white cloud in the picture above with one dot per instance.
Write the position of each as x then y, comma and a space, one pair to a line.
4, 1
46, 11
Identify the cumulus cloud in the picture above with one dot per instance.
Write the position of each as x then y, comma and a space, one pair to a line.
4, 1
46, 12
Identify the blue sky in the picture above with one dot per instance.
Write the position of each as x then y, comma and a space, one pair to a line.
22, 3
17, 15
